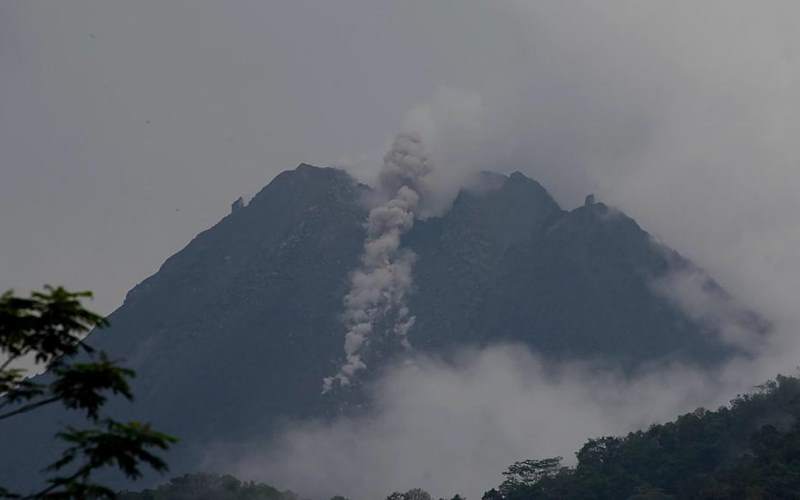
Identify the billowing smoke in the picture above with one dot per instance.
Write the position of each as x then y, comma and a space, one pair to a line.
378, 288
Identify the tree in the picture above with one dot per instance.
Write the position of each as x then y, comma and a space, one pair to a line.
525, 475
204, 486
50, 327
492, 494
413, 494
748, 449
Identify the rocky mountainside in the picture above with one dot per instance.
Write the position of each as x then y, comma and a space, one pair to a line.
234, 334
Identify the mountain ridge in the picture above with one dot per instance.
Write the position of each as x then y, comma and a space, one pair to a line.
235, 332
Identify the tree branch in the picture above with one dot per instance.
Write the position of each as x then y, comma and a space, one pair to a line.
29, 407
41, 494
7, 362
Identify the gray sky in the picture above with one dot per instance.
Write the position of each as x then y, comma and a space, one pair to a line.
128, 127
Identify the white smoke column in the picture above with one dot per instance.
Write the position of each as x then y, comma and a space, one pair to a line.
380, 285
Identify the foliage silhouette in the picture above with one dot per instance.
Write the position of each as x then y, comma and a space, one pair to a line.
49, 327
748, 449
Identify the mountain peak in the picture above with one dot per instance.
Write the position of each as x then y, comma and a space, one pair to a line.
309, 169
519, 176
306, 182
259, 298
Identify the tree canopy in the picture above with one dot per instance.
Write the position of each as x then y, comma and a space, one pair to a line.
749, 449
50, 327
210, 487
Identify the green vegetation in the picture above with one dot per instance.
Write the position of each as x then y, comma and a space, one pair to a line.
210, 487
226, 487
750, 449
414, 494
49, 327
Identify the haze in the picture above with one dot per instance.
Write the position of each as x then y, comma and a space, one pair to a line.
128, 127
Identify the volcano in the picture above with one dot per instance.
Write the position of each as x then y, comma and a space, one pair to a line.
235, 333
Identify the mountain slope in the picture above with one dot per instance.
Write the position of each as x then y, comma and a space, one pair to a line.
235, 332
749, 449
510, 265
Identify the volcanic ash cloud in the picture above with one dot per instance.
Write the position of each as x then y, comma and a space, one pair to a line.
378, 288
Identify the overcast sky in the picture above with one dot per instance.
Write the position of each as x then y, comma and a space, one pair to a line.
128, 127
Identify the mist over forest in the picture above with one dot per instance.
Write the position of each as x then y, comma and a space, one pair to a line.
508, 250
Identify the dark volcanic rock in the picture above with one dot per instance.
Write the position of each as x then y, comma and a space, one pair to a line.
235, 332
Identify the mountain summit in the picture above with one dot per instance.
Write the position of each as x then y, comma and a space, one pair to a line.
235, 333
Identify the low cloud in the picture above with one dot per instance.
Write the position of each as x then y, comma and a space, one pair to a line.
681, 113
696, 294
453, 427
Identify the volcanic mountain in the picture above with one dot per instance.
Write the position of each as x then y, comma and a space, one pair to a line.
235, 333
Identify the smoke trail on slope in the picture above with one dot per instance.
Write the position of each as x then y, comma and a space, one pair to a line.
379, 286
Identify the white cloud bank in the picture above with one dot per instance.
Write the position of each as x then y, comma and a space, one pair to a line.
454, 427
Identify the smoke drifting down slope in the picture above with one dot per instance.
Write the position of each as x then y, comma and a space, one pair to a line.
378, 288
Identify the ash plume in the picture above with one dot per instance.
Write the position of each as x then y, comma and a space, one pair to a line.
378, 288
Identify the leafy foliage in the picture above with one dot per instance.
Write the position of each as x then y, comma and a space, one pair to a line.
413, 494
526, 474
50, 327
210, 487
749, 449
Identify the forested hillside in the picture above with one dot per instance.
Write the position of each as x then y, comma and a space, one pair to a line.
209, 487
749, 449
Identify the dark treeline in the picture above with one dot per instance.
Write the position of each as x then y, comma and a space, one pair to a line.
209, 487
749, 449
225, 487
